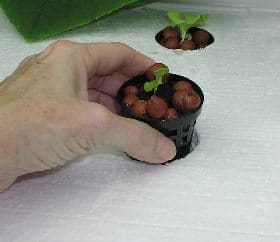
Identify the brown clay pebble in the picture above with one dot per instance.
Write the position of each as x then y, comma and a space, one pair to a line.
202, 46
139, 108
182, 86
187, 45
201, 38
131, 90
171, 113
172, 43
177, 100
171, 32
163, 42
156, 107
129, 100
150, 72
191, 101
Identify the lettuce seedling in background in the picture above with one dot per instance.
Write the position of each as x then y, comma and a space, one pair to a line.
186, 22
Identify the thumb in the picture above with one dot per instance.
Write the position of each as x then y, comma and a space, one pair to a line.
136, 138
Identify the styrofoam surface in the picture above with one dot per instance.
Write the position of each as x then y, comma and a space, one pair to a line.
225, 190
268, 4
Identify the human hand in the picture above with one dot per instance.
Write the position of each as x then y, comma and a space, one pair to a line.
60, 104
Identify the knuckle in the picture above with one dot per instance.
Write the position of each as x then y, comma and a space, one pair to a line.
62, 44
122, 45
26, 61
100, 119
55, 48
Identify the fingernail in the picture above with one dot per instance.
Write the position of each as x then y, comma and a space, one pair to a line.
165, 150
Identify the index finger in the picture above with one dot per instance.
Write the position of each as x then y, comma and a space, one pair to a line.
103, 59
99, 59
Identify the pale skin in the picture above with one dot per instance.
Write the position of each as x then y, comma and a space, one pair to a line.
60, 104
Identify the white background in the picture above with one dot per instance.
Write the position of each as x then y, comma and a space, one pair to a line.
226, 190
268, 4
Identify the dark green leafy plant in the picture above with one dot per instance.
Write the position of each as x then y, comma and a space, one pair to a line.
38, 19
154, 84
187, 22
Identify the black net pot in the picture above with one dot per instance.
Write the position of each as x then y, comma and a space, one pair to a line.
179, 130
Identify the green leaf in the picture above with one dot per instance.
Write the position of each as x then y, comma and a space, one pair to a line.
191, 19
149, 86
183, 30
37, 19
204, 17
160, 73
175, 17
153, 85
188, 22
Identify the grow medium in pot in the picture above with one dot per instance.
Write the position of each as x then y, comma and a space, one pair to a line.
167, 102
185, 34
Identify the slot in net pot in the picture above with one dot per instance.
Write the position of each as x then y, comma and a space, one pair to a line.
179, 130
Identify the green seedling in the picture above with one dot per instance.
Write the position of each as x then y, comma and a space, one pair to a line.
153, 85
187, 22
